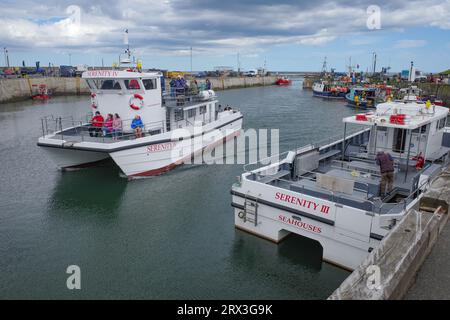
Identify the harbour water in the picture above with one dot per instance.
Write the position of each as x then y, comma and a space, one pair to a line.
165, 237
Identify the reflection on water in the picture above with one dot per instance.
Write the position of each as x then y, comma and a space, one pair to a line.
97, 189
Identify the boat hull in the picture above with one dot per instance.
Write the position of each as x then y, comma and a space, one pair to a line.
67, 158
149, 156
159, 158
328, 94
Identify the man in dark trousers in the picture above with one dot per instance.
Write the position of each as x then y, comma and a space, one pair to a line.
386, 163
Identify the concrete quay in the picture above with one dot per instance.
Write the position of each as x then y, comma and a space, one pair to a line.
21, 89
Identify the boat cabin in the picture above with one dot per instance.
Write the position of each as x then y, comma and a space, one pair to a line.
130, 93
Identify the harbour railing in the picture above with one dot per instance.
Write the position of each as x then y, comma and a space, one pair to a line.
330, 142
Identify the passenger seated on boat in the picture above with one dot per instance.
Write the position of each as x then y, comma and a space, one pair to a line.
137, 126
386, 163
107, 125
96, 124
117, 127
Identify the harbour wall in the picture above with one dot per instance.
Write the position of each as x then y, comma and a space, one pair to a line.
391, 268
21, 89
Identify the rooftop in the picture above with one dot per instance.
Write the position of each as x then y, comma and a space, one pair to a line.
416, 115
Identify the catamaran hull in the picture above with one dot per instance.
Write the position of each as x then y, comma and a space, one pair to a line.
66, 158
141, 158
275, 224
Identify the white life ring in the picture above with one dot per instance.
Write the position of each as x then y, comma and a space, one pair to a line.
136, 101
94, 101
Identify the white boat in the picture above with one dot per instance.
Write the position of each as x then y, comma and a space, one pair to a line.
329, 191
176, 127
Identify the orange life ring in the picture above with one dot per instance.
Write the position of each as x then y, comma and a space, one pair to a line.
133, 99
94, 102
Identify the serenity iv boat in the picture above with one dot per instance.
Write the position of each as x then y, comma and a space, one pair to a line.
176, 126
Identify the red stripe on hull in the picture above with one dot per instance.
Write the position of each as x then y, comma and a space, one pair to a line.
171, 166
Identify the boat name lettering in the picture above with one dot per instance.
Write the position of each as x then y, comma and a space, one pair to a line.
322, 208
161, 147
102, 73
300, 224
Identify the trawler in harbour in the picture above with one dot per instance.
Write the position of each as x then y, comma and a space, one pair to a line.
330, 191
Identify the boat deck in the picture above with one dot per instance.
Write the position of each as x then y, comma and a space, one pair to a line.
354, 183
81, 134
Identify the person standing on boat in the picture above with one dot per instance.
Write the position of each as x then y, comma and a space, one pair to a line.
96, 124
208, 85
137, 126
194, 87
386, 163
172, 87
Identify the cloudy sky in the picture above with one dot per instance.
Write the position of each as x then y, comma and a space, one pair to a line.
287, 35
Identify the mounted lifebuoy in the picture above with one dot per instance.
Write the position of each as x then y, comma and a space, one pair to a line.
94, 102
136, 101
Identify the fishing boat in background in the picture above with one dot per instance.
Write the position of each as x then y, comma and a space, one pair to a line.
283, 81
40, 92
362, 97
433, 99
323, 89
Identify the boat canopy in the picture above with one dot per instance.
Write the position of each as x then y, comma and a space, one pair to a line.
414, 115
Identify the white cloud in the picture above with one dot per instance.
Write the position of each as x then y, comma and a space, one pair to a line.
208, 26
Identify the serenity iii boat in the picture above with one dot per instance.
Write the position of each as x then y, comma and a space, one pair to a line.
324, 90
176, 126
330, 191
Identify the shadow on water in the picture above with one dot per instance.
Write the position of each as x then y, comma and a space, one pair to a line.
295, 250
98, 189
301, 251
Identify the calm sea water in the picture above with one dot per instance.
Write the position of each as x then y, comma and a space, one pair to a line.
165, 237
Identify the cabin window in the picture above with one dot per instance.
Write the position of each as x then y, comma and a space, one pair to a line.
423, 129
179, 114
132, 84
107, 84
192, 113
202, 109
149, 84
441, 123
91, 84
399, 142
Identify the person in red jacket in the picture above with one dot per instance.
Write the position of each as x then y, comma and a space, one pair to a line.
96, 124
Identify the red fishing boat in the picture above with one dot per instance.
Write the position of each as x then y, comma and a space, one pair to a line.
283, 81
40, 92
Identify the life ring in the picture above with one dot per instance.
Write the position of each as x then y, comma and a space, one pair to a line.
94, 102
136, 98
241, 214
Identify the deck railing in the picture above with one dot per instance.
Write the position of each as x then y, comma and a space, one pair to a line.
67, 128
